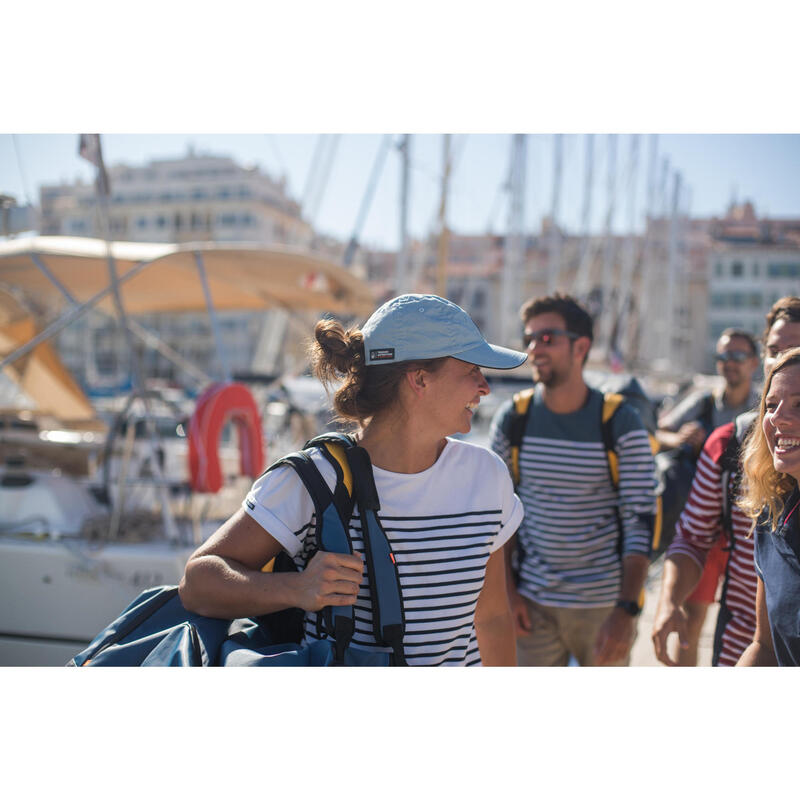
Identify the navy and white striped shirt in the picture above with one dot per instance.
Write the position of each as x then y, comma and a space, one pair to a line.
570, 540
443, 524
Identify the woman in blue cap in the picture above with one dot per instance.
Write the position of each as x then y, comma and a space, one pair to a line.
410, 378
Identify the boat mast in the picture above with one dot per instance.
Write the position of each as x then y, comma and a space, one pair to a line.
401, 265
607, 281
582, 278
554, 239
624, 292
672, 268
444, 233
514, 250
646, 271
91, 149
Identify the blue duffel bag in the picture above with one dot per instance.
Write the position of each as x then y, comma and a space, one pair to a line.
156, 629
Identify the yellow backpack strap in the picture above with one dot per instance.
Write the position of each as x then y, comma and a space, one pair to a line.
611, 402
659, 519
522, 404
337, 451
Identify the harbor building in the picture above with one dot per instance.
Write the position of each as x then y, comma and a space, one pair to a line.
753, 262
195, 198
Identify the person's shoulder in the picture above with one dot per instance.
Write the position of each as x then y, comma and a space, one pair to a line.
717, 441
693, 400
475, 455
627, 418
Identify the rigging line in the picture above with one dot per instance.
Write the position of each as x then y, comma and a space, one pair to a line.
325, 175
366, 201
271, 139
456, 151
311, 177
21, 172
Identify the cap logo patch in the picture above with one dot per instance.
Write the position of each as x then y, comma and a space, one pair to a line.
382, 354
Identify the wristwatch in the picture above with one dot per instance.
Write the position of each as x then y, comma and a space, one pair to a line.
629, 607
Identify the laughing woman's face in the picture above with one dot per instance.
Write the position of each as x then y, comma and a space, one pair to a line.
782, 420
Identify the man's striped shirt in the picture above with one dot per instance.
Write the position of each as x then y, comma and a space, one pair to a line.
442, 523
571, 545
700, 526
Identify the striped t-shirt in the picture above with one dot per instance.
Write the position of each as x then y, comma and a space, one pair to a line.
442, 523
571, 545
699, 527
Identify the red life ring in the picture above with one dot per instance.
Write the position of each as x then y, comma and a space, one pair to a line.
219, 404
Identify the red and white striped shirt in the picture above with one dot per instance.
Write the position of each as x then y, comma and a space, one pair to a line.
699, 527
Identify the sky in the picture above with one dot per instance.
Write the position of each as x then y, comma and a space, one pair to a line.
713, 169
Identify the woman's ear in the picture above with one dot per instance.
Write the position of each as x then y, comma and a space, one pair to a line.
416, 379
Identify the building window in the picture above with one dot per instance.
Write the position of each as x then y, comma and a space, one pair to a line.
737, 269
783, 270
756, 269
718, 269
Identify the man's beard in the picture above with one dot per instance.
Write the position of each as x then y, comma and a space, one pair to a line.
551, 378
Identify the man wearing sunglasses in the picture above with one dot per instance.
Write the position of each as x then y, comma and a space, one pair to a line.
579, 576
691, 420
684, 430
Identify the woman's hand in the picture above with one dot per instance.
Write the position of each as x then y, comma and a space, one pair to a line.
329, 579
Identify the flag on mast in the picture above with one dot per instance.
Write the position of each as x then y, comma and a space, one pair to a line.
89, 148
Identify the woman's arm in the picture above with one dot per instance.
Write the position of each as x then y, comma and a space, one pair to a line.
493, 622
223, 577
760, 653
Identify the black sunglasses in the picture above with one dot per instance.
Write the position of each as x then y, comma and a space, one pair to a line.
736, 355
546, 336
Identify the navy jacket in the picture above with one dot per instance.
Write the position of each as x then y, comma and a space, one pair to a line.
777, 556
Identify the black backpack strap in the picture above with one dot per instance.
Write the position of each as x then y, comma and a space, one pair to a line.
388, 619
343, 492
333, 536
731, 477
706, 416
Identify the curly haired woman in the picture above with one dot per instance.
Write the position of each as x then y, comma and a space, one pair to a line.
772, 500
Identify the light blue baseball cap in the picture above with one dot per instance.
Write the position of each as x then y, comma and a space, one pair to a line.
413, 327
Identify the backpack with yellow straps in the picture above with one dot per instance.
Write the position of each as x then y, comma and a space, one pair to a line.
611, 403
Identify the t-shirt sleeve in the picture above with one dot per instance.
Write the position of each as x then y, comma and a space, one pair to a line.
637, 481
279, 502
699, 525
512, 510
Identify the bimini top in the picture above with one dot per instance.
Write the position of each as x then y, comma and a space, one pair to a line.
164, 277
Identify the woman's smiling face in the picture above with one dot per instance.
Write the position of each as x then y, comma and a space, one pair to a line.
781, 423
456, 390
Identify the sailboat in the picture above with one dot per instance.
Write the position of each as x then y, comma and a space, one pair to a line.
75, 548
